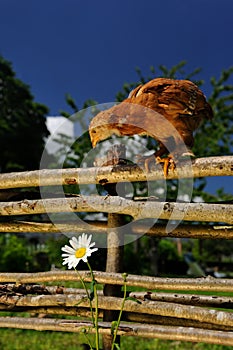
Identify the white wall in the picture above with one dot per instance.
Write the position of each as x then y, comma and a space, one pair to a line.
56, 126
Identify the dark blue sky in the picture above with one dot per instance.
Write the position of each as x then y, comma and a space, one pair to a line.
90, 48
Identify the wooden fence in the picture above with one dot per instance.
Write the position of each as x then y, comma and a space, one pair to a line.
184, 317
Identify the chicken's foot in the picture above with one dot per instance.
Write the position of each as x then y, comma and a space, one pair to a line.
168, 161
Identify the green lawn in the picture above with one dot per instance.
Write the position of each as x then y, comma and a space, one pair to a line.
14, 339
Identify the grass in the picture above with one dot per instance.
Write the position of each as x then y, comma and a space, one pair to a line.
16, 339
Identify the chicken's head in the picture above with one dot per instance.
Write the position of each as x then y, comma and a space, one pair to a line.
102, 127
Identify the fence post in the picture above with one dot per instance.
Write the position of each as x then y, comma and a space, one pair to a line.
115, 241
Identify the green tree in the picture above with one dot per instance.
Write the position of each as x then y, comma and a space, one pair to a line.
22, 123
212, 138
14, 255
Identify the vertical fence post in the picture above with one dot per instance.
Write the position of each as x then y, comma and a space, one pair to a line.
115, 242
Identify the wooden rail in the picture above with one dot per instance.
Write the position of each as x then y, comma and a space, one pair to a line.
200, 318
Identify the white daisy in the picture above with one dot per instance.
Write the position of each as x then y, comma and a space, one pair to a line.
80, 249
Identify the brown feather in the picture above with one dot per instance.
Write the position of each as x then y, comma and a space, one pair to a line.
166, 109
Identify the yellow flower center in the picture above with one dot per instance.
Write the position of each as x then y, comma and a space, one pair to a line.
80, 252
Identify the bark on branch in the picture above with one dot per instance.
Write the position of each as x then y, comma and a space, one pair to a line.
201, 167
196, 313
9, 290
186, 299
147, 282
149, 331
158, 230
127, 316
110, 204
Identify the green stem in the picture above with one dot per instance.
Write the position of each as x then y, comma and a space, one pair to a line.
120, 313
88, 341
96, 307
88, 296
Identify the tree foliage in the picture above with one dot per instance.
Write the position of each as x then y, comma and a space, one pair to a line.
22, 123
14, 255
212, 138
23, 132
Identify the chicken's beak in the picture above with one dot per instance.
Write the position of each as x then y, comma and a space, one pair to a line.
94, 143
94, 138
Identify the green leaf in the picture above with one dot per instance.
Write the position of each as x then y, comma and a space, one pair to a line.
113, 327
70, 101
92, 288
22, 123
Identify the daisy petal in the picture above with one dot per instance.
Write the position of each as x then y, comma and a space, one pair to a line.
68, 249
89, 240
74, 243
92, 244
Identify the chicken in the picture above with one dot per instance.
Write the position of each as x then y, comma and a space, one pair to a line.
168, 110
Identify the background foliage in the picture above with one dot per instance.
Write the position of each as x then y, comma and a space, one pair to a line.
22, 137
22, 123
212, 138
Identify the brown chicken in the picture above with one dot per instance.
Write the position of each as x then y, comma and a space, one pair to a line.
166, 109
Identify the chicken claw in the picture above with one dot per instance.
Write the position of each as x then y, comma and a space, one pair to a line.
153, 159
168, 163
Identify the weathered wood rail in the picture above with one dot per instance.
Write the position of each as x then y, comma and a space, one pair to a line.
199, 318
201, 167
